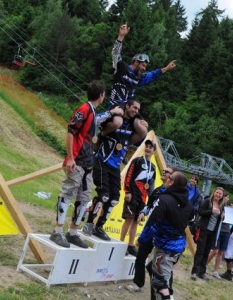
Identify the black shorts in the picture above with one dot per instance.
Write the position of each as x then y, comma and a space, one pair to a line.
229, 260
131, 210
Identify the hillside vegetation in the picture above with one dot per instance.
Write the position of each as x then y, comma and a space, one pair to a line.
70, 44
22, 151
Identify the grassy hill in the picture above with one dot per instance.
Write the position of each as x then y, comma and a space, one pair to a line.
22, 152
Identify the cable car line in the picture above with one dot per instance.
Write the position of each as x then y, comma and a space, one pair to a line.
53, 58
45, 59
47, 70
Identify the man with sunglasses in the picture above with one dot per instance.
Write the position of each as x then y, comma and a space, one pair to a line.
166, 226
145, 249
126, 79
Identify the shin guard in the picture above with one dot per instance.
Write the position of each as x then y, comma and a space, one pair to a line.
79, 209
62, 207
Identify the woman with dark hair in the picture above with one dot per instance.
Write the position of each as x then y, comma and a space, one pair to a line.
210, 212
221, 242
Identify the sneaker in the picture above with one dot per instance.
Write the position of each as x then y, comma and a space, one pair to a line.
216, 275
59, 239
75, 239
132, 250
226, 276
204, 277
194, 276
133, 288
100, 233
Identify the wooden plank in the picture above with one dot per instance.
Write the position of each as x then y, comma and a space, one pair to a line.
34, 175
159, 155
19, 219
189, 239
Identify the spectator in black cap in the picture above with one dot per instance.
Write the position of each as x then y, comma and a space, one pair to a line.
139, 183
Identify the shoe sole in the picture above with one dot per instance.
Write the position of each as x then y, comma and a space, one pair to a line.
102, 238
215, 276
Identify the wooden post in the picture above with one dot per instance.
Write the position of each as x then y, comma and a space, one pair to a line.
19, 219
14, 209
189, 239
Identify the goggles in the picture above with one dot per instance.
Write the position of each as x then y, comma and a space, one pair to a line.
141, 58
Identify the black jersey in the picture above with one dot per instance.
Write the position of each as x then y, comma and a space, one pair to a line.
140, 172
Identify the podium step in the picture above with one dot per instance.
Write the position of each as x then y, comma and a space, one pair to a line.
102, 261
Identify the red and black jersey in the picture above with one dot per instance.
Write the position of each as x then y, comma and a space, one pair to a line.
140, 172
82, 126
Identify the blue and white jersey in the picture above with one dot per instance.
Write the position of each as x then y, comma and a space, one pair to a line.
119, 139
125, 79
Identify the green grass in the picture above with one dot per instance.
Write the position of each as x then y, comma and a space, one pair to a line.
7, 258
36, 292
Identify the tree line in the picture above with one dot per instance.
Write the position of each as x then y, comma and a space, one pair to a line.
71, 42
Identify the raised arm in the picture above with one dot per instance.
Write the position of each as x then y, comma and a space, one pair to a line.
116, 51
123, 31
169, 67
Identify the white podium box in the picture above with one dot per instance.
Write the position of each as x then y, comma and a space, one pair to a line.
66, 265
106, 261
109, 260
128, 268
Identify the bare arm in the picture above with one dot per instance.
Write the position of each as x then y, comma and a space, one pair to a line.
69, 148
123, 31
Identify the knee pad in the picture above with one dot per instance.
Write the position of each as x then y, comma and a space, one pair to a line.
98, 203
158, 282
79, 209
105, 198
97, 208
114, 202
62, 207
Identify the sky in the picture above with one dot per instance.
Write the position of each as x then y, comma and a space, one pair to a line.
194, 6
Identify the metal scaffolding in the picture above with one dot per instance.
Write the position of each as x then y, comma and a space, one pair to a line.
206, 166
